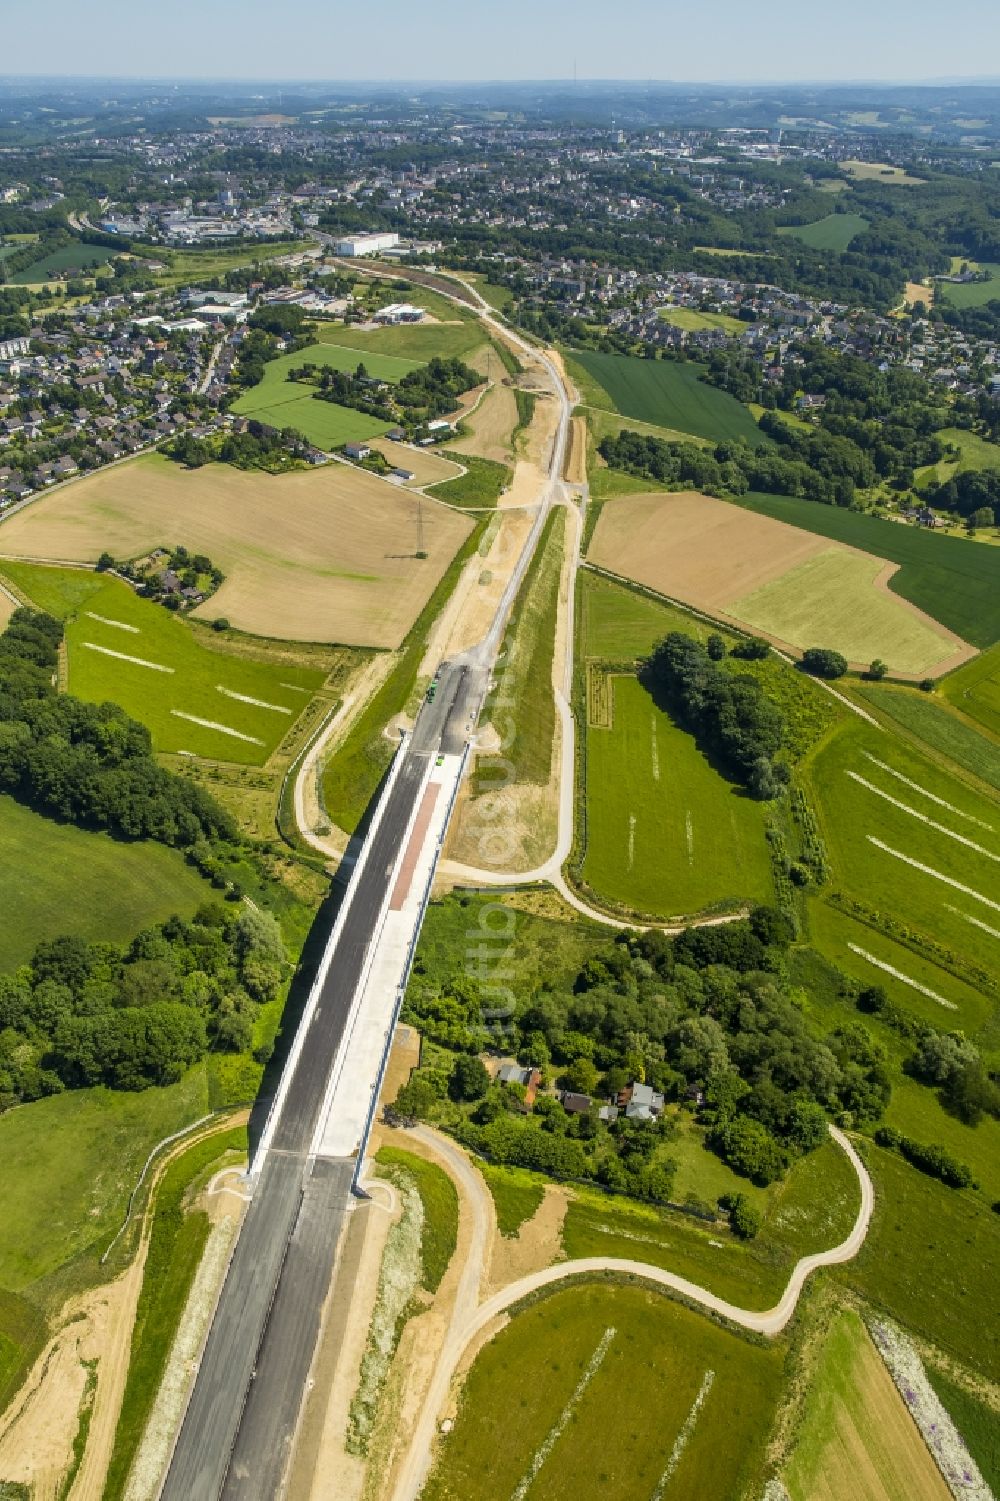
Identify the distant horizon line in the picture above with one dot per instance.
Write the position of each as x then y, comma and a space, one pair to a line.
249, 79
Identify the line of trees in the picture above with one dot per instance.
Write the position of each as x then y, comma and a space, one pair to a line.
727, 712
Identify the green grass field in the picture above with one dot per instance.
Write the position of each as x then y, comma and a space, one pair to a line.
410, 341
284, 403
128, 886
523, 697
663, 392
247, 706
480, 487
831, 600
667, 835
69, 1163
852, 815
971, 293
194, 267
555, 1400
78, 257
930, 1261
975, 689
694, 320
974, 453
955, 581
440, 1200
833, 232
939, 727
833, 932
517, 1194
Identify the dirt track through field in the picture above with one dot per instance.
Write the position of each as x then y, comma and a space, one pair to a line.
327, 555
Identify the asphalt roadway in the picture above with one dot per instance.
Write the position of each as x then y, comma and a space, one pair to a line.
244, 1406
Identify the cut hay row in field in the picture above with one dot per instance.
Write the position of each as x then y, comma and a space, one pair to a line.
834, 232
328, 555
895, 862
954, 581
578, 1432
856, 1441
664, 392
667, 835
771, 578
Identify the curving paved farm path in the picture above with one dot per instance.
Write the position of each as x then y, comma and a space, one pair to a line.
466, 1325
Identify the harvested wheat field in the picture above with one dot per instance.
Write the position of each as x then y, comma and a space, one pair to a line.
915, 291
794, 587
327, 555
427, 467
575, 467
490, 426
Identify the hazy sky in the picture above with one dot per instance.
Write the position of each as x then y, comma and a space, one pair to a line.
696, 40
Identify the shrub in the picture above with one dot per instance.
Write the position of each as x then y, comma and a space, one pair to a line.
824, 663
744, 1220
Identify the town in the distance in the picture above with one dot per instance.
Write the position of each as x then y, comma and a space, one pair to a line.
499, 790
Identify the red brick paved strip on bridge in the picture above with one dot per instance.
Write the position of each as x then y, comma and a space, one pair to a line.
420, 826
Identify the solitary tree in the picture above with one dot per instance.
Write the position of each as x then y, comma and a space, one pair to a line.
824, 663
878, 669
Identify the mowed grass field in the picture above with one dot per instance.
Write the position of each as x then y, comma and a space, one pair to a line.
974, 453
695, 320
832, 600
284, 403
164, 673
324, 555
604, 1390
833, 232
885, 811
420, 342
667, 835
975, 689
856, 1441
78, 257
663, 392
956, 581
972, 293
60, 879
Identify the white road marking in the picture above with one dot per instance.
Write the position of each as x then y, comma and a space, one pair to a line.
119, 625
928, 870
124, 657
897, 974
212, 724
259, 703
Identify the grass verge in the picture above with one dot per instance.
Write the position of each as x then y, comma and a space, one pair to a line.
439, 1196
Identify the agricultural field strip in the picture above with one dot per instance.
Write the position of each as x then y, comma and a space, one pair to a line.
915, 813
684, 1437
928, 870
556, 1431
123, 656
907, 781
897, 974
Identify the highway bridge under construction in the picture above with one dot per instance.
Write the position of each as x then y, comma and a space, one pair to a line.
236, 1436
